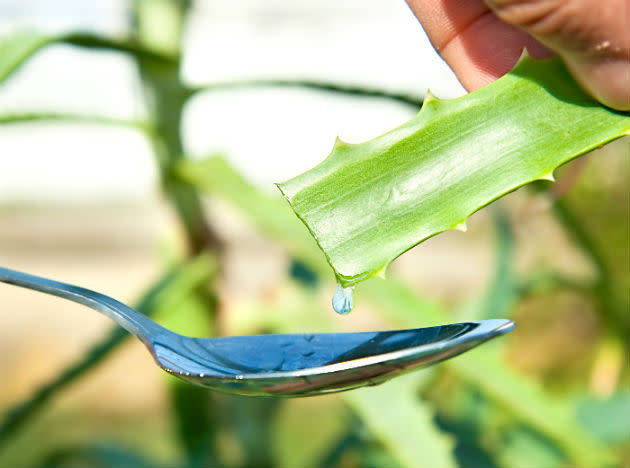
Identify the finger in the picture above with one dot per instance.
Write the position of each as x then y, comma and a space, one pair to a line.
472, 40
592, 36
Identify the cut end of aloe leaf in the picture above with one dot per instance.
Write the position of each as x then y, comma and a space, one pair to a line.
368, 203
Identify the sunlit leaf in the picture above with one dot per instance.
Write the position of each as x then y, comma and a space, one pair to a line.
368, 203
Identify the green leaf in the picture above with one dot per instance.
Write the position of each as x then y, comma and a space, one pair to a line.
99, 454
33, 117
403, 422
17, 48
368, 203
607, 419
529, 403
214, 176
519, 447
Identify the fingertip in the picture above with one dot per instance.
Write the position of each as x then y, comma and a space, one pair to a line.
607, 80
487, 50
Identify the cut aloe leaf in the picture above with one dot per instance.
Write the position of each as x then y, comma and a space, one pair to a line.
368, 203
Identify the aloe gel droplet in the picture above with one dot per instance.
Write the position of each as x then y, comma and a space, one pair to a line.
343, 301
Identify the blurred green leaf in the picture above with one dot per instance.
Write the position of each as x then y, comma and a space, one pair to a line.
526, 401
399, 305
97, 455
520, 447
613, 302
404, 423
251, 420
376, 456
126, 45
17, 48
193, 315
462, 412
73, 118
607, 419
368, 203
502, 294
267, 213
193, 412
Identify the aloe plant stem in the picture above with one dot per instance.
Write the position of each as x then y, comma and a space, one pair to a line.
168, 96
92, 41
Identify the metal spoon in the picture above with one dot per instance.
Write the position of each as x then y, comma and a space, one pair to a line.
281, 365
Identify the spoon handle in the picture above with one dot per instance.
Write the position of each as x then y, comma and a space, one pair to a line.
131, 320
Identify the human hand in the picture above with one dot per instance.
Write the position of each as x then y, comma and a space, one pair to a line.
482, 41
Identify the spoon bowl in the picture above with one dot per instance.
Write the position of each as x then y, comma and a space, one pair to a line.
280, 365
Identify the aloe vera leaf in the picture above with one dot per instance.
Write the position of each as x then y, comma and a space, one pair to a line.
368, 203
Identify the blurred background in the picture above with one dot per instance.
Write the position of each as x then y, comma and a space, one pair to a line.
139, 143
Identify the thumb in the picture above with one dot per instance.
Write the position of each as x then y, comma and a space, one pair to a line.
592, 36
